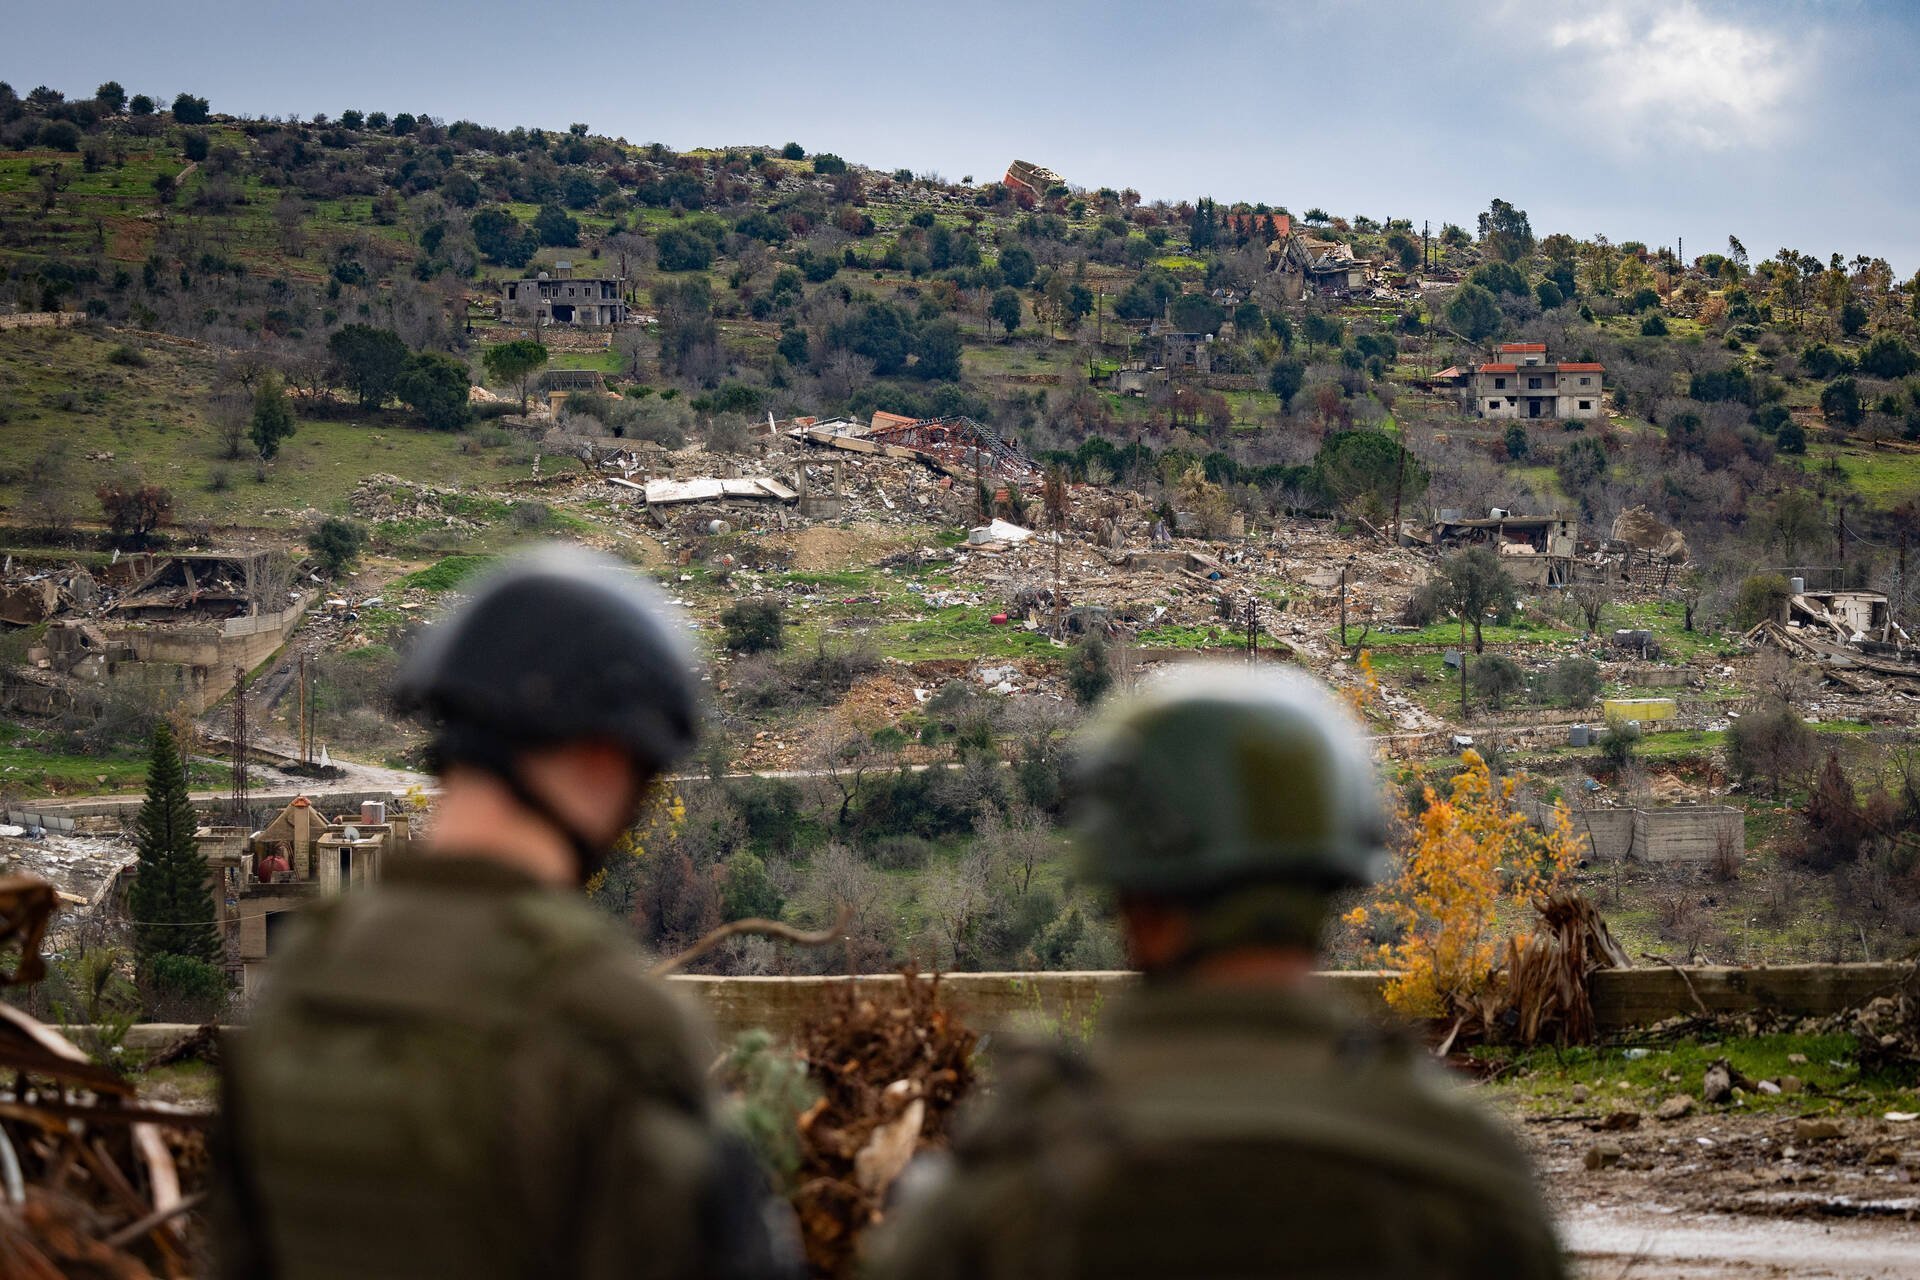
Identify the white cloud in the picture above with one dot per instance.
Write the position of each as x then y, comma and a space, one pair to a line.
1633, 72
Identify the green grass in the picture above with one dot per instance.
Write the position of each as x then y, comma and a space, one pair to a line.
1542, 1080
1883, 476
28, 763
57, 384
446, 574
963, 631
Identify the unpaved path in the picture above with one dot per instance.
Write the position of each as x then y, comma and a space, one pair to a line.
1727, 1194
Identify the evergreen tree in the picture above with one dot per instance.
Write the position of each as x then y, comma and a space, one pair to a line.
272, 418
171, 901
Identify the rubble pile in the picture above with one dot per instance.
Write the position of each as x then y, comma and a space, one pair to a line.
891, 1063
98, 1178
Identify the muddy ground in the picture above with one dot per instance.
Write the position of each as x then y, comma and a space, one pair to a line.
1731, 1195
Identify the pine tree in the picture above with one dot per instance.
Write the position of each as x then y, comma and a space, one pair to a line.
171, 901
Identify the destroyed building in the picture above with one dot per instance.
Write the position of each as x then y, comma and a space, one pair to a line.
1535, 550
1032, 179
182, 621
562, 298
955, 446
1520, 382
1307, 264
263, 878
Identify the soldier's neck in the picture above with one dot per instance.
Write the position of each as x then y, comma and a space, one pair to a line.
477, 817
1253, 967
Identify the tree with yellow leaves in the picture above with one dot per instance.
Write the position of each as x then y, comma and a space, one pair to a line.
1468, 854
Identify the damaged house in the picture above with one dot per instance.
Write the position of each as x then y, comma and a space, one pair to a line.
956, 446
1535, 550
1849, 635
1307, 264
1032, 179
183, 621
563, 298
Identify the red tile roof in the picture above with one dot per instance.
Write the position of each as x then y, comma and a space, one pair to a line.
1523, 347
1583, 368
1498, 368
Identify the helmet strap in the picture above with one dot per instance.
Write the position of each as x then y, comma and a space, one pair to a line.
484, 751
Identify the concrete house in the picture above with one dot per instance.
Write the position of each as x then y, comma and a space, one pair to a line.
1520, 382
563, 298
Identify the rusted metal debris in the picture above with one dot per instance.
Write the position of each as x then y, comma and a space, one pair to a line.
27, 905
891, 1063
82, 1161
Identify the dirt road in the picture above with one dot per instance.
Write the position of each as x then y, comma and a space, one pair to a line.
1730, 1195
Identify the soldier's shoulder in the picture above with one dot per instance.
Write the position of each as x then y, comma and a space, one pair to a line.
1043, 1088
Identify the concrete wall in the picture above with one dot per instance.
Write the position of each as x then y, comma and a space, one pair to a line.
1682, 833
1688, 834
1622, 998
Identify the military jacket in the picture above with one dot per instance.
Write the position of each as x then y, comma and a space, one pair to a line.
459, 1072
1225, 1134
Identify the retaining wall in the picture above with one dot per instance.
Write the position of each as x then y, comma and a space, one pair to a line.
1622, 998
1682, 833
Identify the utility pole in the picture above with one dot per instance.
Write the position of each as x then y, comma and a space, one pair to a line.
241, 749
1463, 684
300, 713
1840, 539
1348, 564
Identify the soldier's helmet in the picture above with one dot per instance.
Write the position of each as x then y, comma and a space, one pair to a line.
558, 645
1220, 777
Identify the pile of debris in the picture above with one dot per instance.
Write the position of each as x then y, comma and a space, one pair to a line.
94, 1177
891, 1064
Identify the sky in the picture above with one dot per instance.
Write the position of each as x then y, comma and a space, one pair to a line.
1789, 123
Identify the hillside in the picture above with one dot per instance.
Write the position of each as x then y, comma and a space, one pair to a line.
1240, 401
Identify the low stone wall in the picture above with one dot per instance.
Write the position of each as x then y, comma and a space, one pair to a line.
1073, 1002
1678, 833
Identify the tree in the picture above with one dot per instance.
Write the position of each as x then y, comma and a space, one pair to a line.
555, 227
171, 900
188, 109
793, 151
1089, 670
134, 509
111, 97
1576, 681
1654, 326
1549, 295
501, 238
515, 362
1774, 744
1473, 313
677, 249
754, 626
1476, 585
1496, 677
369, 359
336, 544
1505, 231
1515, 442
141, 105
1888, 357
1762, 597
1369, 468
1840, 403
1285, 379
272, 416
1016, 266
1005, 310
437, 388
1471, 857
1792, 520
1592, 598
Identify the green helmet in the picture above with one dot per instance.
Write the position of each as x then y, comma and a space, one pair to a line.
1220, 777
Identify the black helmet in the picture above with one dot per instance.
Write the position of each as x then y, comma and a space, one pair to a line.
558, 645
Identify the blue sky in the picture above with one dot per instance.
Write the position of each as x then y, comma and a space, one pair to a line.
1786, 122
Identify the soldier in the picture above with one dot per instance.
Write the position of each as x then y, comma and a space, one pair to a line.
465, 1070
1234, 1120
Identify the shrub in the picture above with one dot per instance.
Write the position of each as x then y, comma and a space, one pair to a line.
1654, 326
128, 357
1617, 744
336, 544
1089, 670
183, 989
1495, 677
1761, 596
1576, 681
754, 626
1775, 745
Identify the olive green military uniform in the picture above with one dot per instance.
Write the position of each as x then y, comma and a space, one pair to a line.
462, 1073
1225, 1133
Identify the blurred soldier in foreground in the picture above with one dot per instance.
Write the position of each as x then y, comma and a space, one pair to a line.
465, 1071
1234, 1121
